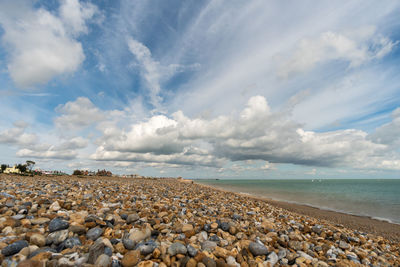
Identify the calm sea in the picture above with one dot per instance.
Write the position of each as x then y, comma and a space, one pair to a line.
376, 198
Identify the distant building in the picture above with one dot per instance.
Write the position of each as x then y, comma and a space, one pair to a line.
13, 169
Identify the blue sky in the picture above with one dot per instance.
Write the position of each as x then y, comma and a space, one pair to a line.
229, 89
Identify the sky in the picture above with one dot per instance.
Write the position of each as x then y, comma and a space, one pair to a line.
202, 89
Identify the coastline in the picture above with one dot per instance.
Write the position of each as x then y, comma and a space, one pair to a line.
388, 230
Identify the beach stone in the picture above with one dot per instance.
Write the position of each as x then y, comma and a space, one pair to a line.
58, 224
41, 250
140, 235
77, 229
132, 218
257, 249
208, 245
38, 239
103, 261
177, 248
272, 259
18, 217
55, 206
128, 243
14, 248
203, 236
225, 226
191, 250
39, 221
146, 248
94, 233
30, 263
343, 245
187, 228
95, 251
115, 263
72, 242
317, 229
57, 237
131, 258
191, 263
209, 262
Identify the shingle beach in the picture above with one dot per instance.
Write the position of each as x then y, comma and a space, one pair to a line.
73, 221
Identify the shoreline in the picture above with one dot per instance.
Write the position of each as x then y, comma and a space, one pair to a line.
388, 230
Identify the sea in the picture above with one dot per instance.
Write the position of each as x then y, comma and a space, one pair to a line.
374, 198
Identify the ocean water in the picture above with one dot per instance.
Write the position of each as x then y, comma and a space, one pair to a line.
375, 198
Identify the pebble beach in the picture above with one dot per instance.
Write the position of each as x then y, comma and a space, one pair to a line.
107, 221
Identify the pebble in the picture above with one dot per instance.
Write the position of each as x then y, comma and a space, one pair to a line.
177, 248
208, 245
58, 224
57, 237
103, 261
129, 243
131, 258
14, 248
38, 239
74, 221
258, 249
132, 218
94, 233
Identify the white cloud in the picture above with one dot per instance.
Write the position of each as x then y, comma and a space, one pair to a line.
153, 72
78, 114
355, 47
255, 134
389, 133
17, 135
42, 45
75, 14
48, 154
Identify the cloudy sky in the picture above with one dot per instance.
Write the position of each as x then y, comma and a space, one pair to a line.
228, 89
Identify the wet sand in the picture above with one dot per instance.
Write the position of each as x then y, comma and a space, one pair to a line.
385, 229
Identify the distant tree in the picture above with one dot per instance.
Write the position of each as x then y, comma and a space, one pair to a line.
3, 167
21, 167
77, 172
30, 164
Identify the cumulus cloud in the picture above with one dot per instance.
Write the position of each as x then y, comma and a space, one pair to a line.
388, 133
354, 47
77, 114
41, 44
48, 154
63, 149
17, 135
256, 133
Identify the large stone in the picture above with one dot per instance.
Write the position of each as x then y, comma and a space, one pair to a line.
128, 243
39, 220
72, 242
95, 251
140, 235
257, 249
94, 233
131, 258
103, 261
132, 218
14, 248
208, 245
58, 224
146, 248
38, 239
57, 237
209, 262
177, 248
